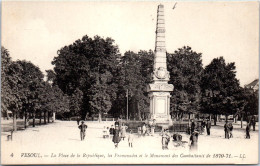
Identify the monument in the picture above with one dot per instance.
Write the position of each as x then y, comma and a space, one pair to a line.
159, 90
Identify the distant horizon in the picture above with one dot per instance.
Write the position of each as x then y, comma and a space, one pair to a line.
35, 31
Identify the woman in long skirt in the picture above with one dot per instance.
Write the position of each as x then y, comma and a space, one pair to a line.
116, 136
123, 131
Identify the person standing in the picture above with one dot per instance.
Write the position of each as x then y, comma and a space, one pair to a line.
203, 124
139, 131
192, 126
144, 129
253, 123
153, 128
111, 130
247, 131
194, 141
123, 131
117, 123
230, 130
78, 120
82, 128
116, 136
208, 126
165, 139
130, 139
226, 129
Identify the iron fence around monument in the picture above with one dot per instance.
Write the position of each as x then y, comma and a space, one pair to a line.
179, 127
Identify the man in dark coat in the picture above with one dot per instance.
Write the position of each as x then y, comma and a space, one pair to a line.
82, 128
226, 129
192, 126
253, 123
208, 126
203, 124
247, 131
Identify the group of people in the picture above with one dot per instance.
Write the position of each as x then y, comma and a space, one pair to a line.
145, 129
204, 124
119, 132
166, 137
228, 128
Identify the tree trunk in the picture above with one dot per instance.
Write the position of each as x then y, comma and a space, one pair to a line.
48, 117
241, 120
181, 116
14, 121
189, 116
34, 119
7, 115
40, 118
215, 120
99, 117
25, 120
226, 118
54, 116
139, 115
44, 117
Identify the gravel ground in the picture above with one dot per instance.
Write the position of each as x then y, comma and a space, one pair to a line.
62, 139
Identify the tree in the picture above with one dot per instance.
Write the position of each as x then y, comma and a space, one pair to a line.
185, 67
82, 65
5, 89
221, 90
76, 102
135, 73
32, 82
250, 108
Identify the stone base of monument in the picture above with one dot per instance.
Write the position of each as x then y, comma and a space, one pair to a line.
162, 120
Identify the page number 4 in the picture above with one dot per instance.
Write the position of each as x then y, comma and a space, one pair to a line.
12, 155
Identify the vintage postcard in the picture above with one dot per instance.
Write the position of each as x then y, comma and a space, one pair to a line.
130, 82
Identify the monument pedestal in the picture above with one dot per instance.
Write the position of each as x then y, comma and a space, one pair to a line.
160, 102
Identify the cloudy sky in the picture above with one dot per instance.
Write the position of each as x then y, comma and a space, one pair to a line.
34, 31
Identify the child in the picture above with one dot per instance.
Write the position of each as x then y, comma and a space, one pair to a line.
105, 132
111, 130
130, 139
139, 131
165, 139
144, 129
123, 131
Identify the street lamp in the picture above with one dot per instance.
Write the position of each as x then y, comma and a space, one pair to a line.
126, 104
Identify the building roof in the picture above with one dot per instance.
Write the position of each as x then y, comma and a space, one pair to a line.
253, 85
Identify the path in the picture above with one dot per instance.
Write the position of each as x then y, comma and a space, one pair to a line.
63, 137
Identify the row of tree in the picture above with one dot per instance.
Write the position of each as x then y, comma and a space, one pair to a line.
26, 94
91, 78
95, 68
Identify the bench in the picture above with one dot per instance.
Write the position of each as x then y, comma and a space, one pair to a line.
10, 136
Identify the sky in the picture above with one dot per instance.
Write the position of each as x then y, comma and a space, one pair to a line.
35, 31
